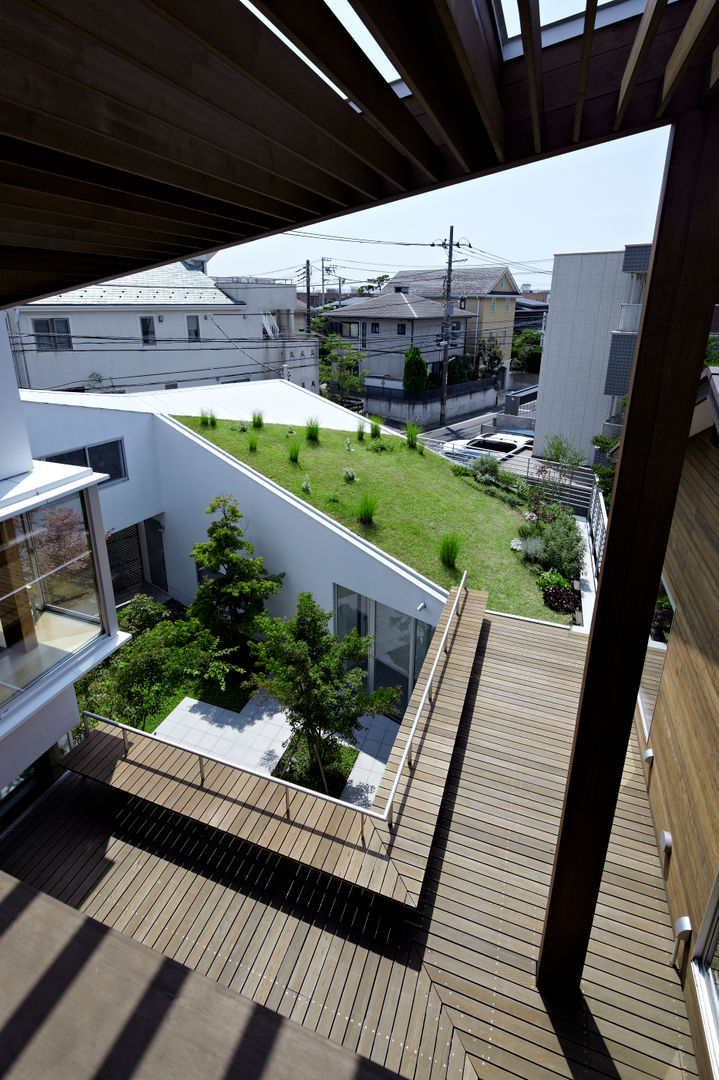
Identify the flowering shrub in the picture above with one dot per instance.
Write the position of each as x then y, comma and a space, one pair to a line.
563, 600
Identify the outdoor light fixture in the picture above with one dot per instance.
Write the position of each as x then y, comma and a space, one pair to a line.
422, 606
665, 842
682, 932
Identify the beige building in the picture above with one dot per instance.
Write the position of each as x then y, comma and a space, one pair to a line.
488, 293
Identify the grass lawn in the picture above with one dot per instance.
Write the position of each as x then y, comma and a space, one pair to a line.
418, 502
306, 773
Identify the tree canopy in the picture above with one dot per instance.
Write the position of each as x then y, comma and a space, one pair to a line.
414, 380
316, 677
527, 351
340, 368
237, 584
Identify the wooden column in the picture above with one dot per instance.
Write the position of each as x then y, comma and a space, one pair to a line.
683, 287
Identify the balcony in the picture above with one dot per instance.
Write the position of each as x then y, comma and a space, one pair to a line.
629, 315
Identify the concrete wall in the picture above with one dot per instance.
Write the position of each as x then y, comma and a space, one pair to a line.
16, 456
587, 290
426, 413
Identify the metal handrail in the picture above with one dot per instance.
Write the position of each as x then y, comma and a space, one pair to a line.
202, 758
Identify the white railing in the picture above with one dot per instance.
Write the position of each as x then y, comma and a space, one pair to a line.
597, 521
386, 815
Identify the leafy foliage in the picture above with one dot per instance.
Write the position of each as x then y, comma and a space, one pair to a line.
563, 600
374, 284
340, 368
527, 351
552, 579
488, 359
414, 380
533, 549
230, 601
449, 550
563, 547
293, 450
316, 677
257, 420
312, 429
375, 427
361, 430
605, 471
140, 614
558, 448
411, 432
366, 509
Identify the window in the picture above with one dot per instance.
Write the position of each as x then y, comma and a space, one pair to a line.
401, 289
374, 328
504, 337
401, 328
350, 329
147, 329
52, 335
193, 327
463, 303
506, 305
170, 386
491, 335
705, 970
105, 457
364, 335
501, 283
456, 327
494, 303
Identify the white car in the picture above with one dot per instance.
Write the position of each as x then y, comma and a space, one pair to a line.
499, 445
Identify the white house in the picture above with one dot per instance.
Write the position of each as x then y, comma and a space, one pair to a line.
173, 326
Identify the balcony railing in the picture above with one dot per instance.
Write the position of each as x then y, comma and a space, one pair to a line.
385, 816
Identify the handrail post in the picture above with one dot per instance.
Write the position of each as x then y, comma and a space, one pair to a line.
202, 769
409, 756
124, 739
287, 802
86, 722
390, 816
364, 842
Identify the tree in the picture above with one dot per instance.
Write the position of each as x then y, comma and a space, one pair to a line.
488, 358
711, 357
316, 679
527, 351
340, 369
374, 284
562, 458
238, 584
605, 471
415, 371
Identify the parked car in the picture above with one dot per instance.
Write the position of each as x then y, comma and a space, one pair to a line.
499, 445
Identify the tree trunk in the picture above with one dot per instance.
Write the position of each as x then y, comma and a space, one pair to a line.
322, 771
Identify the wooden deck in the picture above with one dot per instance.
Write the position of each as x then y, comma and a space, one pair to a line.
391, 862
443, 991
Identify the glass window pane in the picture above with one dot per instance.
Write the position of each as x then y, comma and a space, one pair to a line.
423, 637
108, 458
193, 327
71, 457
147, 328
393, 632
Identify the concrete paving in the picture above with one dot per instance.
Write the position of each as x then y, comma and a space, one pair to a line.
256, 738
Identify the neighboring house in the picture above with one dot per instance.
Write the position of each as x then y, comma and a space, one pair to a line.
530, 314
384, 327
587, 291
174, 326
57, 613
486, 293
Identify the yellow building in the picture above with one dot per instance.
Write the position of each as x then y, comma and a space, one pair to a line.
488, 292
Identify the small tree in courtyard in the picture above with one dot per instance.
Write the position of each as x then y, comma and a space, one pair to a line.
340, 368
316, 679
488, 359
238, 584
414, 380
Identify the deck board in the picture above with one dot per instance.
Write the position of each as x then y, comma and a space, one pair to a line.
445, 989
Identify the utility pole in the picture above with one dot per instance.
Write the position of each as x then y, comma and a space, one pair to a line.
330, 270
307, 292
448, 311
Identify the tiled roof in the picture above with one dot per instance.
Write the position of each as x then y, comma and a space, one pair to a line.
394, 305
173, 284
475, 281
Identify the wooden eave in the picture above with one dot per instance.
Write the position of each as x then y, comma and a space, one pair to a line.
202, 129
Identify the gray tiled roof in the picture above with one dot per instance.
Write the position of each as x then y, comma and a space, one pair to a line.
474, 281
173, 284
394, 305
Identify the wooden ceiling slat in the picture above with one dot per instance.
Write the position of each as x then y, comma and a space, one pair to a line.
158, 64
714, 73
413, 37
58, 239
646, 34
532, 45
85, 79
228, 30
475, 52
587, 39
314, 28
703, 16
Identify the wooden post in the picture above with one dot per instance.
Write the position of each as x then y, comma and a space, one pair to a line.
683, 287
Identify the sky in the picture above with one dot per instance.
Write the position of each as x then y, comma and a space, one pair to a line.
597, 199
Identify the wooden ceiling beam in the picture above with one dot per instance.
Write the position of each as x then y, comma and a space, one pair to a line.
703, 16
413, 37
587, 38
532, 45
231, 32
475, 55
319, 34
149, 69
643, 42
54, 238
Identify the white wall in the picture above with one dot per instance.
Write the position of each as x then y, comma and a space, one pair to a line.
587, 289
384, 352
26, 742
15, 455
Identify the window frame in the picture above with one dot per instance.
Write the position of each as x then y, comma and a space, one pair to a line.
58, 340
196, 336
402, 329
707, 992
493, 305
374, 328
85, 450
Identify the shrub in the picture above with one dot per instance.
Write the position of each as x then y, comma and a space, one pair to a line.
207, 418
252, 444
257, 421
375, 427
349, 475
360, 432
378, 446
366, 509
449, 550
420, 449
414, 380
142, 613
485, 466
411, 431
525, 531
462, 470
312, 429
306, 484
333, 497
242, 426
532, 549
563, 547
563, 600
293, 450
552, 579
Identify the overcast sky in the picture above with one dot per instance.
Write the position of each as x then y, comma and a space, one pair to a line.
597, 199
